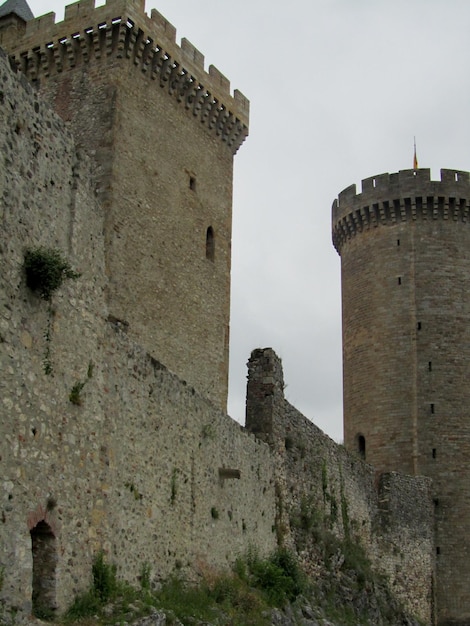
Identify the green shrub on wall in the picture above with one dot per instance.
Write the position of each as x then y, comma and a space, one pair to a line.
46, 270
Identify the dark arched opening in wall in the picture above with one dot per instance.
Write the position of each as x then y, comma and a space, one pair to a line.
210, 244
43, 545
361, 446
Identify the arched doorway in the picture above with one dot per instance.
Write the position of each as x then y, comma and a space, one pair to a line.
44, 551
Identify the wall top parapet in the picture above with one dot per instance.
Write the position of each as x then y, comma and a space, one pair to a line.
405, 195
83, 18
400, 185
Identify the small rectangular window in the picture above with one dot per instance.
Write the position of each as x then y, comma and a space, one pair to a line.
398, 242
192, 183
399, 280
434, 453
432, 407
438, 550
418, 326
430, 366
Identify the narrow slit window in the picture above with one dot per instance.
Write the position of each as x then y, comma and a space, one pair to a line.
430, 366
432, 408
418, 326
434, 454
192, 183
399, 280
361, 446
398, 242
210, 244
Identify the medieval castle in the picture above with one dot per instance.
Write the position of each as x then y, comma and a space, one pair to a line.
117, 152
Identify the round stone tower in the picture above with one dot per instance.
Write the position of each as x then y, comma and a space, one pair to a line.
404, 244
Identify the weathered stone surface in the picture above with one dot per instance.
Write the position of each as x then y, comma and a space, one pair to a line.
161, 133
318, 483
113, 450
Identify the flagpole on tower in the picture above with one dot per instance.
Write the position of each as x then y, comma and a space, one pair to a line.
415, 158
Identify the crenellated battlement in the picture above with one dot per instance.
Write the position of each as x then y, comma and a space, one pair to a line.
121, 29
405, 195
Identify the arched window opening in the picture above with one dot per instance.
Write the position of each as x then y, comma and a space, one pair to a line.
43, 544
361, 446
210, 244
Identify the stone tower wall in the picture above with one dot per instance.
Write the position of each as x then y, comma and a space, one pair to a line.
140, 464
162, 133
390, 515
49, 455
405, 266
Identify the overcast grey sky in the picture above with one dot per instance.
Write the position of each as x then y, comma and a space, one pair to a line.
338, 89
